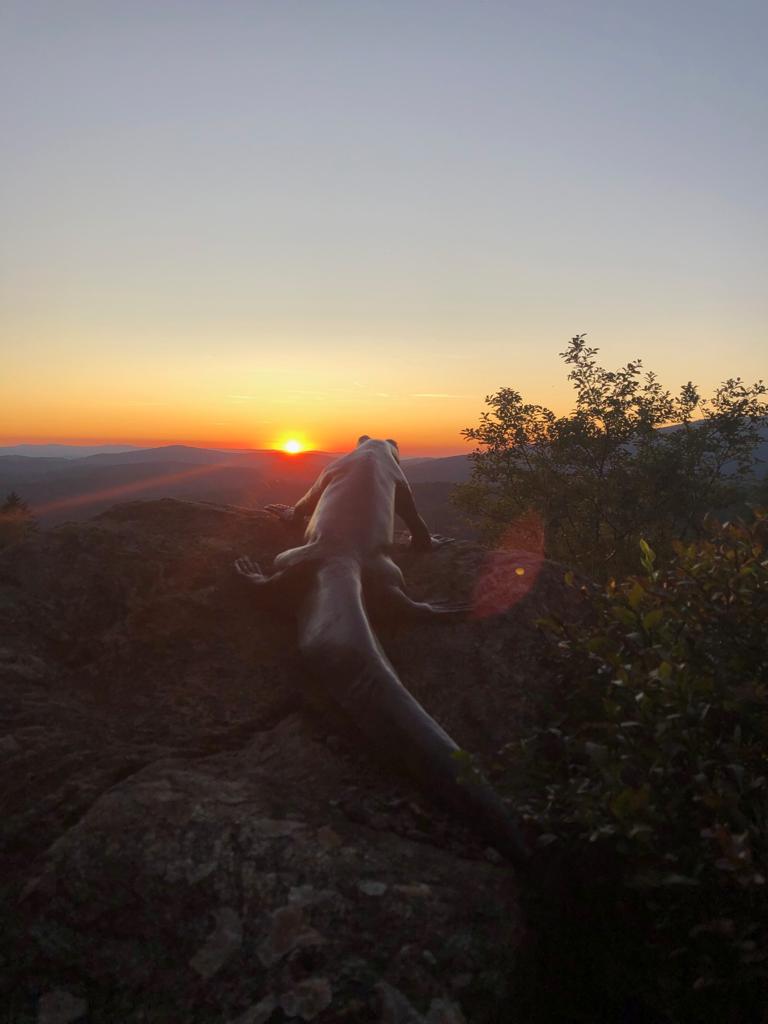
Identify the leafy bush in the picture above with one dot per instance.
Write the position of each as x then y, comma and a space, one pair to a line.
656, 751
605, 475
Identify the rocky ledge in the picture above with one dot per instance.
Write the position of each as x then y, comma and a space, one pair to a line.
186, 839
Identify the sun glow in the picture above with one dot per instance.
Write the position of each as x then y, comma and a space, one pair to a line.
292, 446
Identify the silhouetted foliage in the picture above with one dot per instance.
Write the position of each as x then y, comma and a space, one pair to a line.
653, 757
607, 474
16, 520
13, 504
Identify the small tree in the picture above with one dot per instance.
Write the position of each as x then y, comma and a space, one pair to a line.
13, 505
629, 461
16, 520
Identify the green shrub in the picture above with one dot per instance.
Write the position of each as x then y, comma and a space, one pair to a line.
656, 750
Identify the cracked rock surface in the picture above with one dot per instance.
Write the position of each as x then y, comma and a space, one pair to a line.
186, 838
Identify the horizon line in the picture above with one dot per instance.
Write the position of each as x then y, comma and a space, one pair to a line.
133, 446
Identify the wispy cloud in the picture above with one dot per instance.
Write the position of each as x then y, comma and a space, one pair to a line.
131, 404
435, 394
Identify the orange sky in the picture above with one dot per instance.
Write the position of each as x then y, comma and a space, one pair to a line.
244, 394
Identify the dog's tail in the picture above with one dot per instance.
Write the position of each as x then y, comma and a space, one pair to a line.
349, 669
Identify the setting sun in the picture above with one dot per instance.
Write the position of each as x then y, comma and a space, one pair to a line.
293, 447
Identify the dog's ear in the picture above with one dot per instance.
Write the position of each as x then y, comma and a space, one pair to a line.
395, 448
363, 437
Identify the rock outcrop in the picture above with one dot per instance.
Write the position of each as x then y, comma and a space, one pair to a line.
185, 838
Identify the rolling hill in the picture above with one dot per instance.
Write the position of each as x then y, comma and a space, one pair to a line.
66, 488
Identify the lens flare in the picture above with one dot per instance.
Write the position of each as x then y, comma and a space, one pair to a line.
509, 573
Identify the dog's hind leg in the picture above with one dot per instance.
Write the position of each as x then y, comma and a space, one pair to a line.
395, 602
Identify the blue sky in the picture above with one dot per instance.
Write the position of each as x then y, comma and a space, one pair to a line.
371, 202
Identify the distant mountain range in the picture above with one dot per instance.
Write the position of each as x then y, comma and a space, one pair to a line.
64, 486
64, 451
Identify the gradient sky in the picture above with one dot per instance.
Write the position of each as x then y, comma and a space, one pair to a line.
226, 222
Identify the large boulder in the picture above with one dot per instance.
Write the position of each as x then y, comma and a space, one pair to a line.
185, 837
